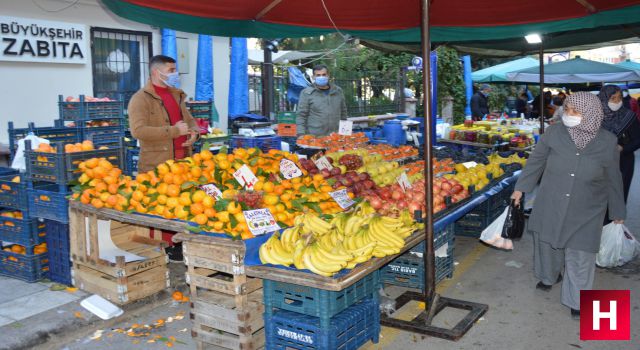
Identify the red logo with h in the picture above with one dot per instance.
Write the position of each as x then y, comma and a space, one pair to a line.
605, 315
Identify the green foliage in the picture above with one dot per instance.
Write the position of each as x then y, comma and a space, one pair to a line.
450, 82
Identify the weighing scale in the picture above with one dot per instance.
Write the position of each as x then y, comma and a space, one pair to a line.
255, 129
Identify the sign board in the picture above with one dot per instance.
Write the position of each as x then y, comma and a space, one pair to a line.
212, 191
260, 221
323, 163
469, 165
245, 177
403, 181
342, 198
35, 40
289, 169
345, 128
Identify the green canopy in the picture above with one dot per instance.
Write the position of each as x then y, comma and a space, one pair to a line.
576, 70
498, 73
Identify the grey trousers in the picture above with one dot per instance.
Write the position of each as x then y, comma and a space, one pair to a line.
579, 269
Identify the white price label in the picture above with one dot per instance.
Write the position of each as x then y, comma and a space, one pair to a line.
345, 128
342, 198
260, 221
323, 163
245, 177
469, 165
212, 191
404, 182
289, 169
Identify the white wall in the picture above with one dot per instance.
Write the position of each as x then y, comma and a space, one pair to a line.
29, 91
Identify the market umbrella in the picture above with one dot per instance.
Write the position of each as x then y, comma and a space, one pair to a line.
629, 64
577, 70
498, 73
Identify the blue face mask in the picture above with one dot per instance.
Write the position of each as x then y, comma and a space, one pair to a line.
172, 79
322, 81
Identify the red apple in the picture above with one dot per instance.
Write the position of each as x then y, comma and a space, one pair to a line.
396, 195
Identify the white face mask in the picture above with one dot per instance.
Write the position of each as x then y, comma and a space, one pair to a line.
625, 93
571, 121
614, 106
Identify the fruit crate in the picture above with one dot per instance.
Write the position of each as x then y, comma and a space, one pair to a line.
27, 267
472, 224
318, 302
407, 270
55, 133
132, 157
287, 129
103, 135
445, 235
26, 231
348, 330
84, 110
200, 109
14, 194
49, 202
286, 118
265, 143
6, 171
226, 304
58, 248
62, 168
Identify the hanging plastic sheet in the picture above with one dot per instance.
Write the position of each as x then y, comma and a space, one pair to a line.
239, 77
204, 69
468, 82
297, 83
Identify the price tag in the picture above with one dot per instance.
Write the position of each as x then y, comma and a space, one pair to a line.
403, 181
469, 165
260, 221
245, 177
212, 191
323, 163
345, 128
342, 198
289, 169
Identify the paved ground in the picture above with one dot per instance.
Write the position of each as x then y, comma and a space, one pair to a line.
519, 316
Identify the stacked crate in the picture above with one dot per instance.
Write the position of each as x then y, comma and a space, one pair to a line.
287, 124
101, 122
226, 304
22, 238
407, 270
55, 133
299, 317
203, 113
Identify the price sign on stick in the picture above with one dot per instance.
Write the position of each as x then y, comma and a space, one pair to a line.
323, 163
469, 165
245, 177
345, 128
342, 198
289, 169
260, 221
403, 181
212, 191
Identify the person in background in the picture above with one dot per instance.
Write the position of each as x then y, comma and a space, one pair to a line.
321, 106
480, 102
522, 104
577, 163
159, 119
548, 110
630, 102
558, 102
623, 123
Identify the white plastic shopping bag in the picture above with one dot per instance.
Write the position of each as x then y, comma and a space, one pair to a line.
492, 235
18, 160
618, 246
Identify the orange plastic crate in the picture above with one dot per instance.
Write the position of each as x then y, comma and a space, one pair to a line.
287, 129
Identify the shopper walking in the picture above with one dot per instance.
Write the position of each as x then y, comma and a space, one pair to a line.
622, 122
577, 162
480, 102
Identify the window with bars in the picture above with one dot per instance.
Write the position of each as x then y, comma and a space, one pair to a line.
120, 62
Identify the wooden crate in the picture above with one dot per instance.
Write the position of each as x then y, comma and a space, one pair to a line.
120, 282
226, 305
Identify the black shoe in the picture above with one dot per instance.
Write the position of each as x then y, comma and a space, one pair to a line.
559, 279
575, 314
543, 287
175, 253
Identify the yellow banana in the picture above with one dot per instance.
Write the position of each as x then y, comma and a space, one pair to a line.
268, 255
318, 226
297, 221
382, 251
310, 260
366, 250
384, 235
279, 252
298, 256
327, 258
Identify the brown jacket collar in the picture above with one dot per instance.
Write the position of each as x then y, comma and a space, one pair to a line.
148, 88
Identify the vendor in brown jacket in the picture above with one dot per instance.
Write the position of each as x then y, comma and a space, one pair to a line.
158, 116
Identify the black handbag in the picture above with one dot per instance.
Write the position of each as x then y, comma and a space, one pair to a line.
514, 223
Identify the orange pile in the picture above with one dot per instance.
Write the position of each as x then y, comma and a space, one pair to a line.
353, 141
171, 190
389, 152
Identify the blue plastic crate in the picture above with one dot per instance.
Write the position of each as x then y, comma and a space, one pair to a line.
348, 330
407, 270
62, 168
57, 133
83, 110
318, 302
26, 232
132, 157
13, 194
5, 171
49, 202
58, 248
29, 267
474, 222
439, 238
103, 135
265, 143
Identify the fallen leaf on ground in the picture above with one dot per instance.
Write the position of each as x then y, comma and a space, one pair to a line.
57, 287
71, 289
78, 314
183, 330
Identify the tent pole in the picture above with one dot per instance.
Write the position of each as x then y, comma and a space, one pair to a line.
541, 89
433, 302
267, 82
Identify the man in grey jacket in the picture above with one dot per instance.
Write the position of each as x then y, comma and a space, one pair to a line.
321, 106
